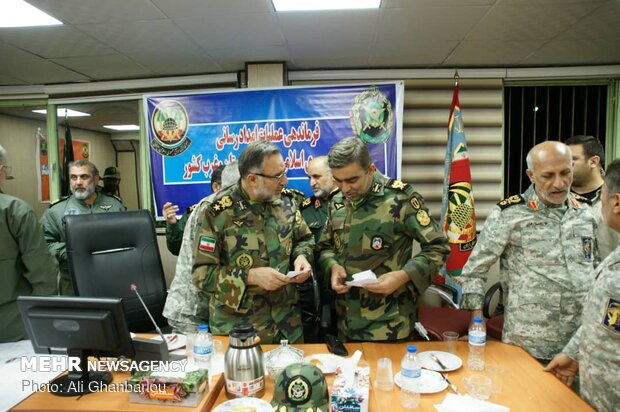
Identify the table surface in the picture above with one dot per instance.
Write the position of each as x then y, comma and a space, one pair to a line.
526, 387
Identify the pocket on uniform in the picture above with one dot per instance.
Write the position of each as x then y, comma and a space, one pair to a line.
536, 309
376, 307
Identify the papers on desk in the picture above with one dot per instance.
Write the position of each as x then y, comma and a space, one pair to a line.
364, 278
460, 403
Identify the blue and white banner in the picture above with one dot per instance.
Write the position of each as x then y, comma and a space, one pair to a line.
191, 134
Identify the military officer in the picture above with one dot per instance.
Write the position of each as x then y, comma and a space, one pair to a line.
595, 345
187, 306
544, 239
85, 199
314, 208
372, 224
249, 236
26, 266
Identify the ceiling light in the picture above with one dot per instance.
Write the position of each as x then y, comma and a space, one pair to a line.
18, 13
60, 112
303, 5
122, 127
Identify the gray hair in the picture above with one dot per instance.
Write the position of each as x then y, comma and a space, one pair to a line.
347, 151
3, 157
230, 174
85, 163
612, 177
251, 159
556, 145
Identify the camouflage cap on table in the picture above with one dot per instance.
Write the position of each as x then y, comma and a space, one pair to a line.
300, 387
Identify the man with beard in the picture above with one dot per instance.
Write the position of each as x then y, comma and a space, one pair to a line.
250, 235
588, 165
85, 199
544, 239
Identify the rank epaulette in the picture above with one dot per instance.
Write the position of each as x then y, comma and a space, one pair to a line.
191, 208
333, 193
307, 202
397, 185
509, 201
221, 204
62, 199
289, 191
112, 195
581, 198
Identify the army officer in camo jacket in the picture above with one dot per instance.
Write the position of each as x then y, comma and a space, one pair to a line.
250, 236
372, 224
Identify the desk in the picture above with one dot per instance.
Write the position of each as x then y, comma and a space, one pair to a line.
526, 386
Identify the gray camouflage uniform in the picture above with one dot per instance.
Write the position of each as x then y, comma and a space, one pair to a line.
546, 265
597, 342
607, 239
187, 306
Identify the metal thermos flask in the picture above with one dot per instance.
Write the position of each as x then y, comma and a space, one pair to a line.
244, 369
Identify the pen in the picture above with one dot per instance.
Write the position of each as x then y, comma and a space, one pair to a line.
436, 359
452, 386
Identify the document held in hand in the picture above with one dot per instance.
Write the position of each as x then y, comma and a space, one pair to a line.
364, 278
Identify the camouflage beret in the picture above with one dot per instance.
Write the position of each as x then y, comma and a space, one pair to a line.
300, 387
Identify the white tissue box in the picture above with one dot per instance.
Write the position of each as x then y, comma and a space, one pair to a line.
351, 399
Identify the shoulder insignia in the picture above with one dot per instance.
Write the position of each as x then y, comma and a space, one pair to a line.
116, 197
293, 192
238, 223
376, 187
611, 321
338, 205
415, 203
221, 204
333, 193
422, 217
581, 198
62, 199
397, 185
509, 201
191, 208
307, 202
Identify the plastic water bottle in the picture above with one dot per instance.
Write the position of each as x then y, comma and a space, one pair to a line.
203, 347
477, 342
410, 372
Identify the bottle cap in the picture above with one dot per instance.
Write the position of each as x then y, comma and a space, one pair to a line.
477, 319
203, 328
412, 349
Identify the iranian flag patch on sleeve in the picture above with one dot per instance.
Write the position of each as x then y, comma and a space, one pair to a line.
207, 244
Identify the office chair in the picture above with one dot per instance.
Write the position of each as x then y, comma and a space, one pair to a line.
108, 252
437, 320
495, 322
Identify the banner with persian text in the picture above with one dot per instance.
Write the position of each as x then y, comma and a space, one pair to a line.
191, 134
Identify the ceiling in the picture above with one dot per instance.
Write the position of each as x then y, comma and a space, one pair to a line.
135, 39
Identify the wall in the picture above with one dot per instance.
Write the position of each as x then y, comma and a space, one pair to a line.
17, 136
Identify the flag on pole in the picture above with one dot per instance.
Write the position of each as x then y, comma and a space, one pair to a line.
68, 157
458, 218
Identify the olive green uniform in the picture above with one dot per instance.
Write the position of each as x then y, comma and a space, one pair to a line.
26, 266
54, 231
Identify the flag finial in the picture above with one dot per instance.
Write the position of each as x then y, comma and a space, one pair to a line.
456, 76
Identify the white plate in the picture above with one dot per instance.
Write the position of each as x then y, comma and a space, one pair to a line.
431, 382
327, 362
237, 404
451, 361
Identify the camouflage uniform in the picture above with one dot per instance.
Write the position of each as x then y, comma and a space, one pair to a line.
174, 233
236, 235
314, 212
546, 261
596, 342
378, 234
54, 231
607, 239
187, 306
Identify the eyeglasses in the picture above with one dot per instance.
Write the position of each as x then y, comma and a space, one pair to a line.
277, 177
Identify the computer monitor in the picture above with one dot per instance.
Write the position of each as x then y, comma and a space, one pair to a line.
82, 327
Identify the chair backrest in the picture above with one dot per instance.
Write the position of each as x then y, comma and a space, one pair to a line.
108, 252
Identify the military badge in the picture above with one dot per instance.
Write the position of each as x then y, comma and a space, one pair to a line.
306, 203
298, 390
298, 218
575, 204
207, 244
376, 243
244, 261
338, 205
317, 204
376, 188
169, 124
611, 318
398, 185
238, 223
105, 207
371, 116
72, 211
532, 204
586, 247
415, 203
422, 217
512, 200
337, 240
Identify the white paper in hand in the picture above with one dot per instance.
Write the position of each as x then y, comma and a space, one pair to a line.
293, 274
360, 279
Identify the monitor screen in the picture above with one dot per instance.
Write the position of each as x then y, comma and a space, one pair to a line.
81, 327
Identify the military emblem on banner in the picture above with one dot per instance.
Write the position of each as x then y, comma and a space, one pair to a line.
460, 220
371, 116
169, 124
